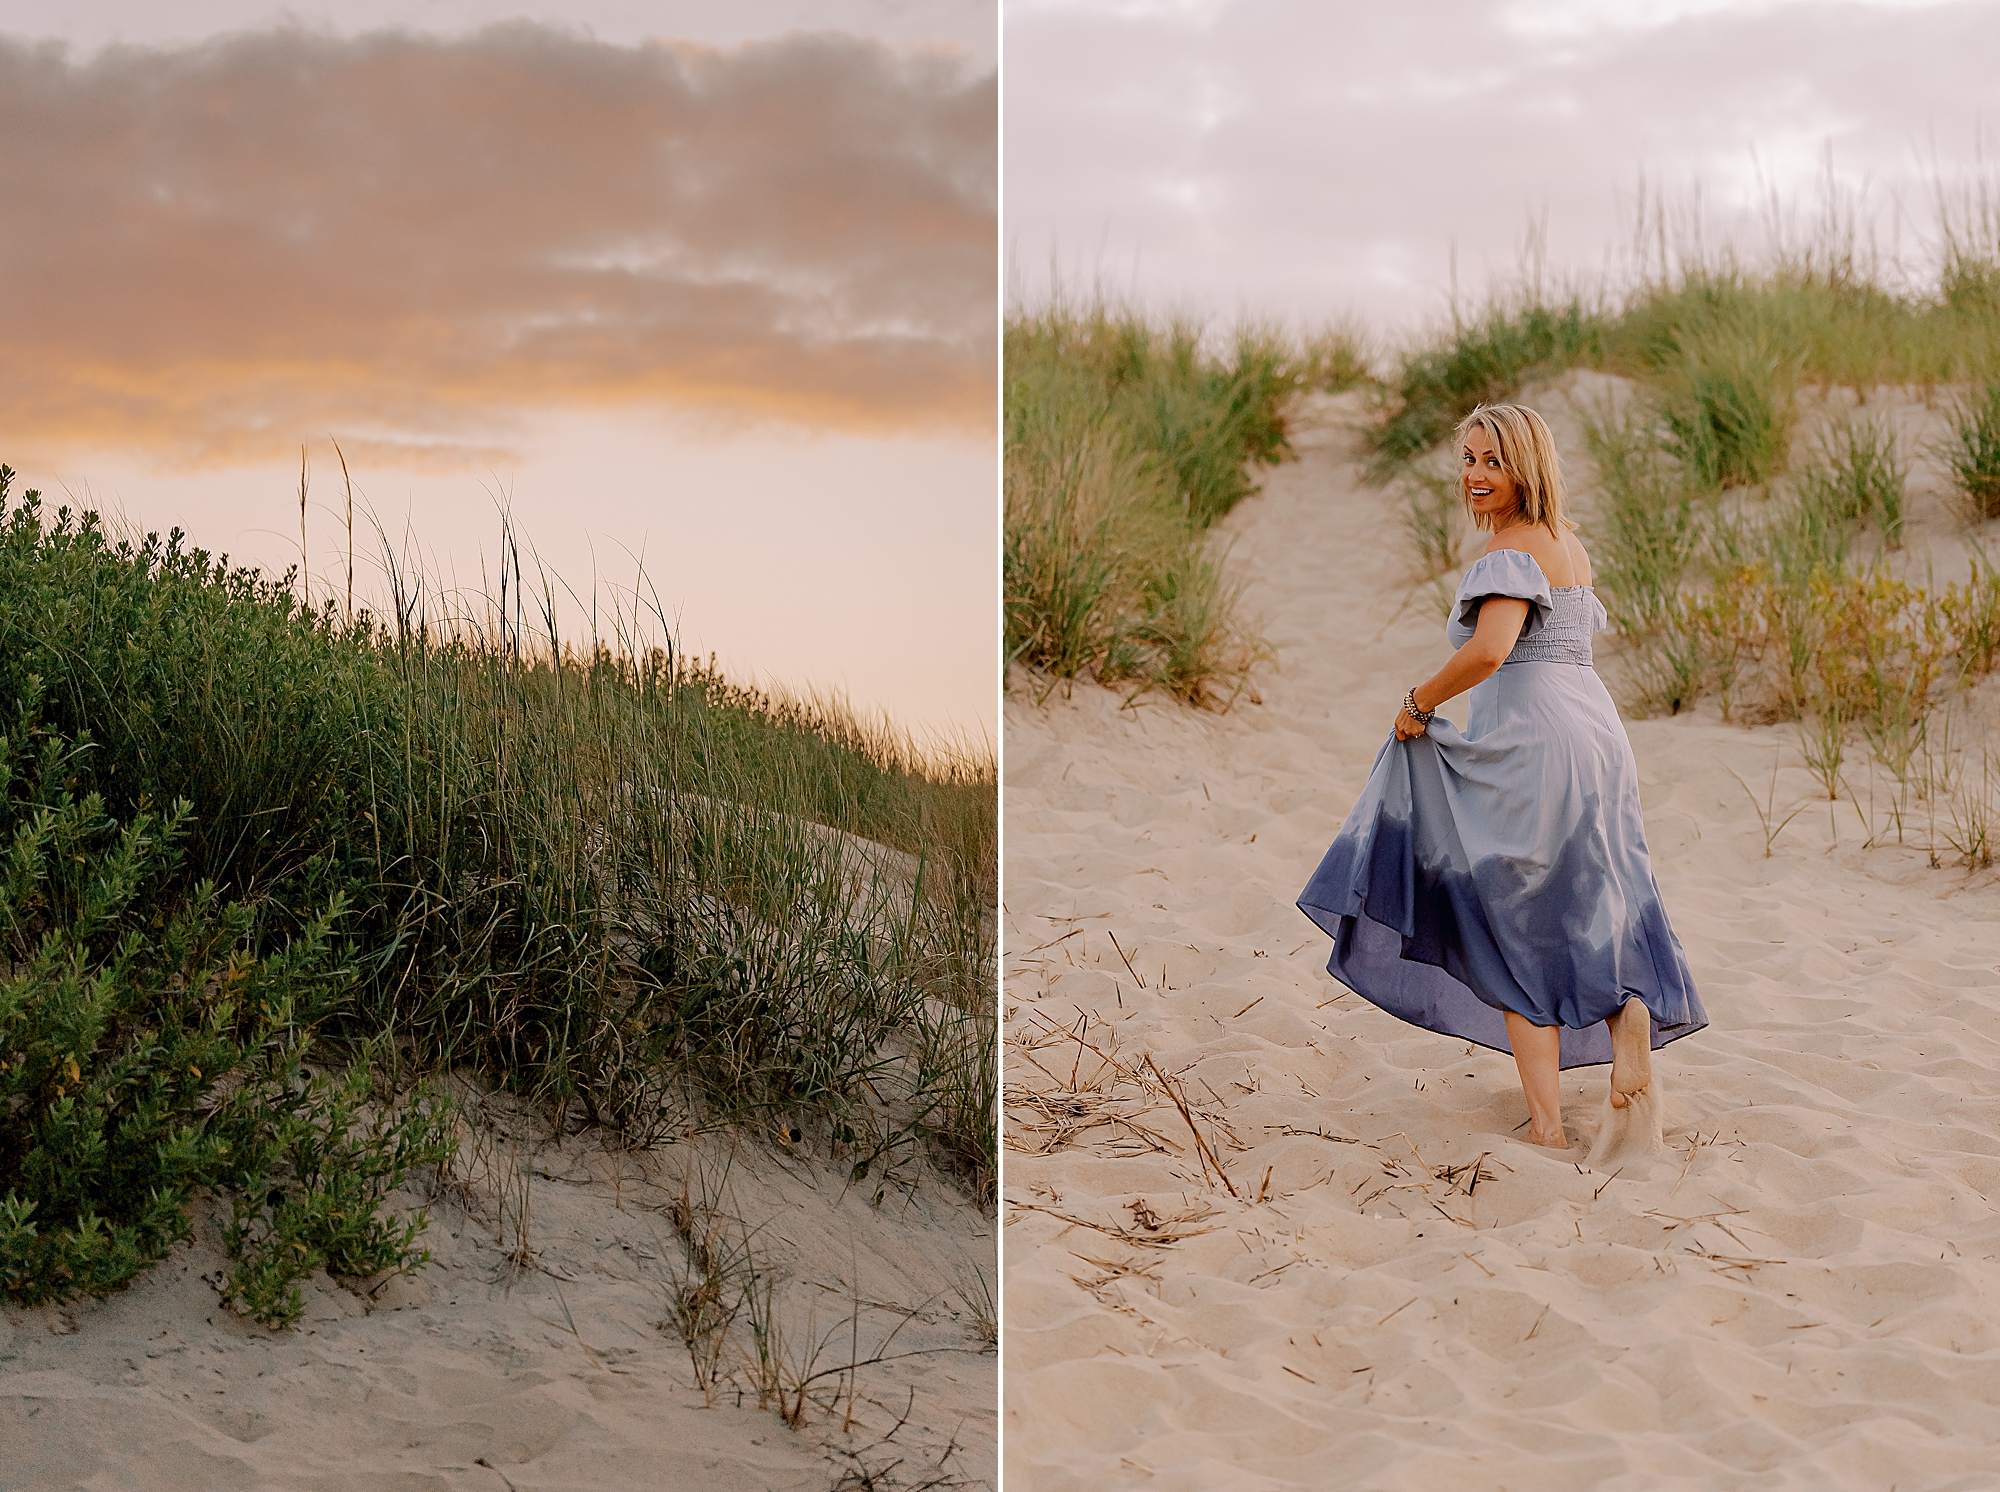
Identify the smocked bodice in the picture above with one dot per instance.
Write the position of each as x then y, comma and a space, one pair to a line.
1575, 615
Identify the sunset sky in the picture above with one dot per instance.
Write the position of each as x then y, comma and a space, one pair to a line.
1308, 158
706, 286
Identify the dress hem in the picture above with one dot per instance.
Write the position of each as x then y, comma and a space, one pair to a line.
1437, 1002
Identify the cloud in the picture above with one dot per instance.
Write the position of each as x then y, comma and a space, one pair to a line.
219, 249
1309, 158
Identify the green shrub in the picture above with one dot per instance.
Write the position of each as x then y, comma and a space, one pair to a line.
193, 680
145, 1054
323, 1167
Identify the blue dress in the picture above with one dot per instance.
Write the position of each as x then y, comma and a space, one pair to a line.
1505, 868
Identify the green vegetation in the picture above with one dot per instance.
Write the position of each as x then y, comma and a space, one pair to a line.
148, 1057
1973, 454
1858, 476
268, 867
1767, 596
1723, 345
1126, 440
1729, 404
1479, 361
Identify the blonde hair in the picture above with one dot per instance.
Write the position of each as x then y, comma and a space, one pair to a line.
1527, 452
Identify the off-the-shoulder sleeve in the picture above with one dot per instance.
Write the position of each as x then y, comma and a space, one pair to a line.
1505, 572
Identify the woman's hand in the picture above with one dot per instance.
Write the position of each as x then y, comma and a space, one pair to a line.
1501, 619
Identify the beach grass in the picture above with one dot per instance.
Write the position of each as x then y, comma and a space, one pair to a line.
1480, 359
1972, 453
1126, 439
1723, 341
600, 875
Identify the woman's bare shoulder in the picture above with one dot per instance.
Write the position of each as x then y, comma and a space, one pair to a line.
1564, 560
1537, 543
1580, 556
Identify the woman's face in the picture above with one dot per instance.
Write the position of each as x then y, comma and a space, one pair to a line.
1489, 491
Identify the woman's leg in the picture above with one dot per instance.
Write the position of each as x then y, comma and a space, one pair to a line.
1538, 1057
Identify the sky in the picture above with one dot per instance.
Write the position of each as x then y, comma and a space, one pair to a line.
699, 296
1310, 160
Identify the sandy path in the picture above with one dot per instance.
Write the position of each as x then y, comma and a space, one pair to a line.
1802, 1293
481, 1376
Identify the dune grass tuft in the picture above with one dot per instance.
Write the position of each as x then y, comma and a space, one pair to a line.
1480, 360
1857, 475
1972, 453
1729, 404
1126, 439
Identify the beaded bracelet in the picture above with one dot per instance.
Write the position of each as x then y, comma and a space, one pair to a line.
1422, 717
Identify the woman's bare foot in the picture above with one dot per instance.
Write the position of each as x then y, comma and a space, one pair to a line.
1632, 1127
1631, 1053
1554, 1139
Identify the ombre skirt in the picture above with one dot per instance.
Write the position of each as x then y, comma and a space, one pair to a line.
1505, 868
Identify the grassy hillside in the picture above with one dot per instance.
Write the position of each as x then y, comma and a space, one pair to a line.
270, 867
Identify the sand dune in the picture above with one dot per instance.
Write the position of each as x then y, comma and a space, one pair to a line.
1260, 1234
485, 1373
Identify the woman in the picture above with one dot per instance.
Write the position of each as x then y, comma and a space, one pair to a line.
1495, 885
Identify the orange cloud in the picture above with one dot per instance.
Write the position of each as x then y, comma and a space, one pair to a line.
217, 251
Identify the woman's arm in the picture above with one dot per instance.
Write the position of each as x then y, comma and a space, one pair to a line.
1501, 619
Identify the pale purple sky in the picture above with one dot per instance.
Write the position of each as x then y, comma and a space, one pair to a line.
1305, 158
709, 284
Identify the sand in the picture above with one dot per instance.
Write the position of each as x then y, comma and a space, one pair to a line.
552, 1371
1801, 1291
